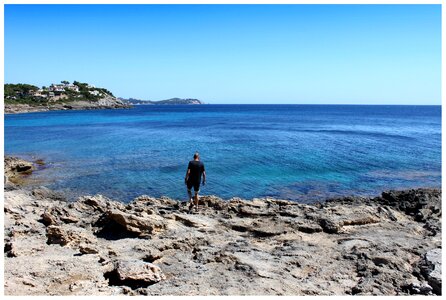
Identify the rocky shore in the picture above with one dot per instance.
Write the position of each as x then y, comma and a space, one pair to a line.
387, 245
104, 103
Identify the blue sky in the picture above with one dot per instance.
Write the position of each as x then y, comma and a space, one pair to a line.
315, 54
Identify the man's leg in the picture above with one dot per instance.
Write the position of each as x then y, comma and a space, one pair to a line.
196, 199
189, 192
196, 189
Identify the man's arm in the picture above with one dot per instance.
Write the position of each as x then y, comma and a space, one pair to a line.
204, 177
187, 175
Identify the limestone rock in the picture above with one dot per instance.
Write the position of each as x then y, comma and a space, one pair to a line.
147, 225
98, 202
68, 236
42, 193
87, 249
330, 225
15, 168
15, 164
431, 269
48, 218
196, 221
96, 246
138, 272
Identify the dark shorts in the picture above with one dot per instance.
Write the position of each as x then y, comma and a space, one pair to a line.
196, 186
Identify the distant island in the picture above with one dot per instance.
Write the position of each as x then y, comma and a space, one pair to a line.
171, 101
20, 98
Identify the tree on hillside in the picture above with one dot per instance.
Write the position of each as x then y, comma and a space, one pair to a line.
20, 89
65, 82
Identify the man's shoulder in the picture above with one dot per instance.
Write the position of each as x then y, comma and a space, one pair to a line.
196, 163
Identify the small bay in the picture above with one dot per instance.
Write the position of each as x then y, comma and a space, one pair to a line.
297, 152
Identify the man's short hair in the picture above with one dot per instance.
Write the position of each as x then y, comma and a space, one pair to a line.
196, 155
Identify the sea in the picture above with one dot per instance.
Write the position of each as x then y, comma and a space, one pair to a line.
304, 153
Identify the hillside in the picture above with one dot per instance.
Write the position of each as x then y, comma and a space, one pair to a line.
21, 98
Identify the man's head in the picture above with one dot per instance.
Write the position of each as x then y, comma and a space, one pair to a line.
196, 156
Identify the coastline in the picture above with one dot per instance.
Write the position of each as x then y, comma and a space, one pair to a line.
104, 103
386, 245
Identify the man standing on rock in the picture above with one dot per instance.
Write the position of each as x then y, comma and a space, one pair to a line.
193, 178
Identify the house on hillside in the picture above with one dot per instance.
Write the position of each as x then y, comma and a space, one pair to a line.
39, 93
57, 88
73, 87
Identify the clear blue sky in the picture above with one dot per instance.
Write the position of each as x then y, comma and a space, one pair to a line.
352, 54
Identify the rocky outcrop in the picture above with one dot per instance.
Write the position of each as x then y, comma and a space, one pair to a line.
135, 274
147, 225
107, 102
15, 169
430, 267
387, 245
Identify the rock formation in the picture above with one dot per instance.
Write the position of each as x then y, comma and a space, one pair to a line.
107, 102
388, 245
15, 169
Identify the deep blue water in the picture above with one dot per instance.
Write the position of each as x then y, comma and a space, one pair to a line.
299, 152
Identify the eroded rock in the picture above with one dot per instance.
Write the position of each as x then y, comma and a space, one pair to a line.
431, 269
96, 246
15, 168
149, 224
135, 274
73, 236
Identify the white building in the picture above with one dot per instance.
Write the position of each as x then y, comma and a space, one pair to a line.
57, 88
73, 87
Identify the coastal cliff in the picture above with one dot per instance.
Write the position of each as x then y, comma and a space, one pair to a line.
387, 245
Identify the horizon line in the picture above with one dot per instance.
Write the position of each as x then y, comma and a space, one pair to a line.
365, 104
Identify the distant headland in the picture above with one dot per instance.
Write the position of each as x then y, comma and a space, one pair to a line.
23, 98
171, 101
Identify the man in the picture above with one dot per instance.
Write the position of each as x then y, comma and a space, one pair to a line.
193, 178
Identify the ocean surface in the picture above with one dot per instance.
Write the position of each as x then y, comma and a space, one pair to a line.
299, 152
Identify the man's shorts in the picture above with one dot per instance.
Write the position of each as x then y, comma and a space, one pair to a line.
196, 186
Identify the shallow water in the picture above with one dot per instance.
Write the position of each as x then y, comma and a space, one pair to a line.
298, 152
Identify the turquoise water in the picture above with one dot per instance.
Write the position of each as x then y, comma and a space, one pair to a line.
298, 152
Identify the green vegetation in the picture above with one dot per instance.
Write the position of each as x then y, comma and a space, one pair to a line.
22, 89
22, 94
58, 93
